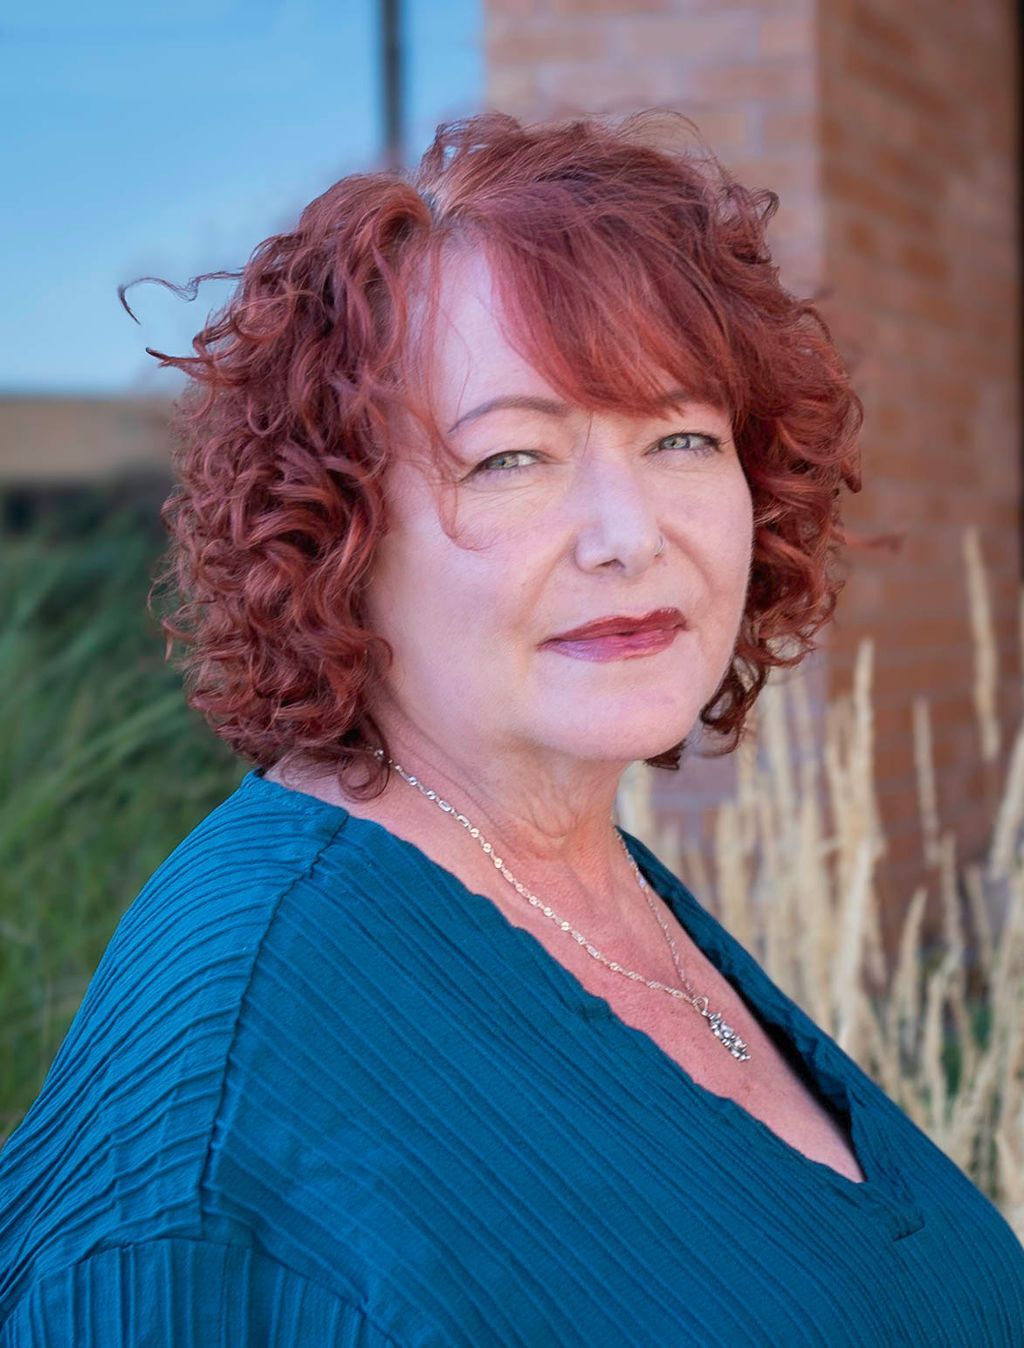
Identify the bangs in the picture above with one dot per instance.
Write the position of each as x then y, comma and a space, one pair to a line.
603, 323
606, 330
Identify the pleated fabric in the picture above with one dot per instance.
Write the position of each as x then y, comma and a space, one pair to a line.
320, 1093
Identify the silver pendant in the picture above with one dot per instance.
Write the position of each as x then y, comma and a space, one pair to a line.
728, 1036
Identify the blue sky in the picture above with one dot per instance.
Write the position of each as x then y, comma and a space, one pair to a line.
168, 140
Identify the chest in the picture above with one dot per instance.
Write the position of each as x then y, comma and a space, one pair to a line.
777, 1091
769, 1085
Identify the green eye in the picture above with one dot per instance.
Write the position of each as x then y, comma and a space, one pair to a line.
482, 468
711, 442
710, 445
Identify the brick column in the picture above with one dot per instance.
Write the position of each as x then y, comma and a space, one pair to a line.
888, 130
918, 125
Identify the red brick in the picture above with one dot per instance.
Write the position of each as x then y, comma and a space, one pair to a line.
580, 88
728, 35
883, 32
517, 10
879, 197
789, 128
512, 89
779, 82
862, 235
903, 84
593, 9
787, 35
516, 44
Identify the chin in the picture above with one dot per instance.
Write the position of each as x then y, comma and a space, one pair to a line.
618, 743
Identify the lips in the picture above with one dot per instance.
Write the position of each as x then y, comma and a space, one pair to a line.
624, 625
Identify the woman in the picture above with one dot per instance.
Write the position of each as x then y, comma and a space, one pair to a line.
406, 1043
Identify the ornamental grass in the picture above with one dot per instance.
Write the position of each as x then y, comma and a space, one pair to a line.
790, 870
105, 770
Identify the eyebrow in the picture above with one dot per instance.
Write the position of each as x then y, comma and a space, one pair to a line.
533, 403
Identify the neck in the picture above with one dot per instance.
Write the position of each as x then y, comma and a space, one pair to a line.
553, 830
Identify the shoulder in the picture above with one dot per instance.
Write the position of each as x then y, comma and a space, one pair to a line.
170, 1290
175, 972
120, 1134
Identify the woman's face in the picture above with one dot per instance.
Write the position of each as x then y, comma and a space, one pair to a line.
568, 521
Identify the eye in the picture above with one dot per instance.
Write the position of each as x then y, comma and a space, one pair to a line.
483, 469
712, 444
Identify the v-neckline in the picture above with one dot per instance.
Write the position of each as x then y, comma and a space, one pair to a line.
883, 1189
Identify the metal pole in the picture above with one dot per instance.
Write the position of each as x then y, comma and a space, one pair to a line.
391, 84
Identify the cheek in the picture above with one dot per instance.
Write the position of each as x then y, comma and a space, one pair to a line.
727, 536
462, 597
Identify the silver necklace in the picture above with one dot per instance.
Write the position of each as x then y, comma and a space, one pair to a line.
724, 1033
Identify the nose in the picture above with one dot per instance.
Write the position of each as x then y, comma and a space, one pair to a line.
616, 516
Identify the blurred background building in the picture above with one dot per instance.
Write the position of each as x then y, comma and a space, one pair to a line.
169, 140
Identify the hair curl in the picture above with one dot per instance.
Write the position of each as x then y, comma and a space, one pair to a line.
614, 257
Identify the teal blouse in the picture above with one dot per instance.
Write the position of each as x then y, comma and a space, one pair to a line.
318, 1093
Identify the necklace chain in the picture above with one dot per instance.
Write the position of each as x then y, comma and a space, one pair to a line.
723, 1032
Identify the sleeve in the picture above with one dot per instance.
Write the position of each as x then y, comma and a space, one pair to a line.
181, 1293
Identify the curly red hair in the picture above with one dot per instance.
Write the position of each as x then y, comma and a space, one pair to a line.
614, 257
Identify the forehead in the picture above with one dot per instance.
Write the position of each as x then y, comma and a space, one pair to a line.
470, 351
471, 347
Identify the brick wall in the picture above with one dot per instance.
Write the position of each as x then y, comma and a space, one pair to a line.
887, 129
918, 123
744, 73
